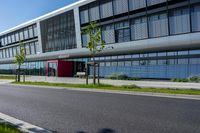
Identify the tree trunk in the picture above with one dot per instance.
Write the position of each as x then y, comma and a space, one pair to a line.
94, 71
19, 74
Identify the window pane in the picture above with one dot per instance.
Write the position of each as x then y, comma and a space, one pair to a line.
158, 25
195, 16
106, 9
122, 32
94, 13
37, 48
35, 30
32, 47
30, 31
13, 38
120, 6
108, 34
6, 41
137, 4
179, 21
27, 49
84, 16
21, 34
139, 28
11, 52
7, 53
17, 36
9, 39
1, 56
182, 61
26, 34
85, 39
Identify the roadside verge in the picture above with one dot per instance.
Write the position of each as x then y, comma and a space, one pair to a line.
21, 125
130, 90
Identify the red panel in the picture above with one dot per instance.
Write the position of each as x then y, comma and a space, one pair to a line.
65, 68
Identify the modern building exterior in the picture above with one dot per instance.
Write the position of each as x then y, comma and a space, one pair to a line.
144, 38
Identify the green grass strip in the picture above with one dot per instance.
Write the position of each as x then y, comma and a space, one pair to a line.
7, 77
121, 88
5, 128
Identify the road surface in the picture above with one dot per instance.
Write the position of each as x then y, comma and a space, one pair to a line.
68, 111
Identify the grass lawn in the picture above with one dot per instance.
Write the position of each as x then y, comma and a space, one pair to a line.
121, 88
7, 77
5, 128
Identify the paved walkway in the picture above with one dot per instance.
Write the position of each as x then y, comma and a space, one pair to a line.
146, 83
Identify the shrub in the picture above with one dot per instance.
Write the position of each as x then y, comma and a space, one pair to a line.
131, 86
134, 78
194, 79
118, 76
180, 80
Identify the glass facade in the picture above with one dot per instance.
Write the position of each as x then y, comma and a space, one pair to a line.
23, 34
58, 33
171, 64
31, 48
166, 22
30, 68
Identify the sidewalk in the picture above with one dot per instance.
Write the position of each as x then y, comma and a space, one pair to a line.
146, 83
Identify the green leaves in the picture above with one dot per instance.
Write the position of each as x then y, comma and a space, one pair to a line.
21, 56
95, 43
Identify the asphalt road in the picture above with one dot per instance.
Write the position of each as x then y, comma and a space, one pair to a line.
67, 111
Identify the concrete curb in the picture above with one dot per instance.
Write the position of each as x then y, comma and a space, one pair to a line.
164, 95
23, 126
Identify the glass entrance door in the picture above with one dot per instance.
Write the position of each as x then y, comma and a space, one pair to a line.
52, 69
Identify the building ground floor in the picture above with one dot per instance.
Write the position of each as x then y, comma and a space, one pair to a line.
158, 65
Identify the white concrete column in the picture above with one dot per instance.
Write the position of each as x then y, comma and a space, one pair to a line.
39, 37
77, 27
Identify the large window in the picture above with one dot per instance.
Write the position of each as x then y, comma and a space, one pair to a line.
84, 16
195, 16
139, 28
108, 34
120, 6
137, 4
94, 13
179, 21
158, 25
106, 9
122, 32
58, 33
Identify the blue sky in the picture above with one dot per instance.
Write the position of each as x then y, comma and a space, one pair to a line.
15, 12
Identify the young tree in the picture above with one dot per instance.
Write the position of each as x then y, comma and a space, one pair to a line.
95, 44
20, 59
